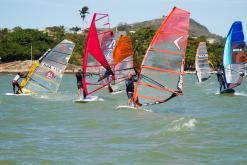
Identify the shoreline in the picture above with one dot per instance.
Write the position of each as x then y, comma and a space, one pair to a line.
23, 66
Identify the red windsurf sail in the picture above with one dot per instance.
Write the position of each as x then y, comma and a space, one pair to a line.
162, 70
94, 62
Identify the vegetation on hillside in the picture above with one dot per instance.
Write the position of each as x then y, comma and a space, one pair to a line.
16, 44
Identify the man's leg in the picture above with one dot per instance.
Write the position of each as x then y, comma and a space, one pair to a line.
84, 94
129, 100
78, 90
13, 88
19, 88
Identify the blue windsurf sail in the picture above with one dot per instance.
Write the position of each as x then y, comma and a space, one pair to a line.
234, 57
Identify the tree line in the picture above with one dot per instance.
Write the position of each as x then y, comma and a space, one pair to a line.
15, 44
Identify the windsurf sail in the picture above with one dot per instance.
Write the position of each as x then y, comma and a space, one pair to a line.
162, 69
107, 44
201, 62
45, 75
98, 50
123, 61
234, 57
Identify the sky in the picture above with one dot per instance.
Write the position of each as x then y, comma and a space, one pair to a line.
216, 15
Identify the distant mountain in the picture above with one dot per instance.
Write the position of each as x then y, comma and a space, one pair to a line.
196, 29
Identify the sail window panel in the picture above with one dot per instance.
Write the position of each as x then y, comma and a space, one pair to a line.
65, 48
173, 43
203, 61
126, 64
146, 94
202, 52
232, 72
165, 80
177, 23
33, 86
238, 55
58, 57
163, 60
46, 85
94, 73
121, 71
107, 43
203, 66
102, 22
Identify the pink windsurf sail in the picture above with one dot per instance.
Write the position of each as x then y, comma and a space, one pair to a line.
96, 69
162, 70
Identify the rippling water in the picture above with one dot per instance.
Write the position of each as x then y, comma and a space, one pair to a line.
201, 127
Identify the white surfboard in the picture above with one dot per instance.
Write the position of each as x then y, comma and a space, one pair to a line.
21, 94
117, 92
122, 107
87, 99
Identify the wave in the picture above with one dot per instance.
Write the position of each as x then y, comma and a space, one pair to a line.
240, 94
182, 124
55, 96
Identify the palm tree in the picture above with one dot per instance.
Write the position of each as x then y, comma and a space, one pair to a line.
83, 12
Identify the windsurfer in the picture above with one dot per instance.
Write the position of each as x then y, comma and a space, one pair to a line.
79, 76
106, 75
241, 77
129, 82
15, 83
220, 77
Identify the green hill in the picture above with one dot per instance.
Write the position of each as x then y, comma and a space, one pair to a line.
196, 29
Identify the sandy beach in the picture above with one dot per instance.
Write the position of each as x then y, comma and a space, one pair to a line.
23, 66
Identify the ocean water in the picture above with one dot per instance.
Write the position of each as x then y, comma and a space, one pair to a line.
201, 127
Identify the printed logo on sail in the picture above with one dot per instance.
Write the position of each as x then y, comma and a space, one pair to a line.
237, 50
108, 52
50, 75
176, 42
63, 48
52, 67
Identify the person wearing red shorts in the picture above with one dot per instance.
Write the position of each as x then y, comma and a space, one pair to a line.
15, 83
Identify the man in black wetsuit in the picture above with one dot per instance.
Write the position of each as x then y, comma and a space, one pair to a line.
220, 78
129, 82
79, 76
